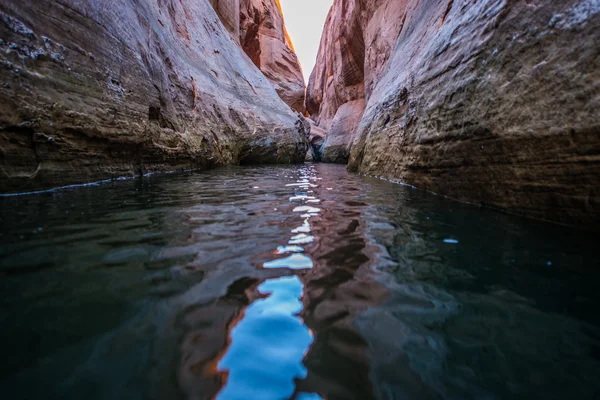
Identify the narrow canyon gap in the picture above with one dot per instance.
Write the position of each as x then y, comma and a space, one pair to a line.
185, 216
494, 102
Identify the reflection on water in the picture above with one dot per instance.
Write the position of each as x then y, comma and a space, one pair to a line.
290, 282
265, 366
295, 261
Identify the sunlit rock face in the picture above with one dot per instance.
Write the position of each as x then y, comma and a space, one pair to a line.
493, 102
96, 89
264, 38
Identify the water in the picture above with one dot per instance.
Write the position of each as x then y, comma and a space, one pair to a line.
300, 282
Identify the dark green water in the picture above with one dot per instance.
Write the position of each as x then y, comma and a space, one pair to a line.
299, 282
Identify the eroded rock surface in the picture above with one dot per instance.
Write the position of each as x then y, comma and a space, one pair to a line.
340, 132
229, 14
357, 41
94, 89
494, 102
264, 38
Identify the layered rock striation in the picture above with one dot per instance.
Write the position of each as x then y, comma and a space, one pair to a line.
494, 102
92, 90
264, 38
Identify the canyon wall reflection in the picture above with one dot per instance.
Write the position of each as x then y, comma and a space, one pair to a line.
300, 282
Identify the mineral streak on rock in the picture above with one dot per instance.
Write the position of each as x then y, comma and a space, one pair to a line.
97, 89
494, 102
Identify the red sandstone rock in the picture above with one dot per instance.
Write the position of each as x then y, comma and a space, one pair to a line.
229, 14
264, 38
494, 102
96, 89
356, 44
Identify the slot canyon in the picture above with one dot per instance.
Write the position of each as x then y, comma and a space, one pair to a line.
189, 209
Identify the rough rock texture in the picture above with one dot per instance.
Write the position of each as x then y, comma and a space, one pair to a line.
264, 38
494, 102
340, 132
229, 14
96, 89
357, 41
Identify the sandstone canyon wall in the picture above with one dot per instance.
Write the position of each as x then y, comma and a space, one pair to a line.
357, 41
229, 14
97, 89
494, 102
259, 27
264, 38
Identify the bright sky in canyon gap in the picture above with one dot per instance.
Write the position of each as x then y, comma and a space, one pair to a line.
304, 20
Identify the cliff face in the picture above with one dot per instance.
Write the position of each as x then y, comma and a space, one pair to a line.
494, 102
264, 38
229, 14
357, 41
92, 89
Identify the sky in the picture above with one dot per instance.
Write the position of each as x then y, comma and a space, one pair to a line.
304, 20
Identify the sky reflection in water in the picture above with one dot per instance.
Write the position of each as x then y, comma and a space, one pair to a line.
269, 344
231, 283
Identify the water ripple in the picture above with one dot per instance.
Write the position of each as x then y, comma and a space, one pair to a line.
297, 282
270, 342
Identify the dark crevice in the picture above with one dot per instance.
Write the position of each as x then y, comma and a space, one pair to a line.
448, 9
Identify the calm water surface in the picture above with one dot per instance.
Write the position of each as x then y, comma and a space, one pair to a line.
300, 282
